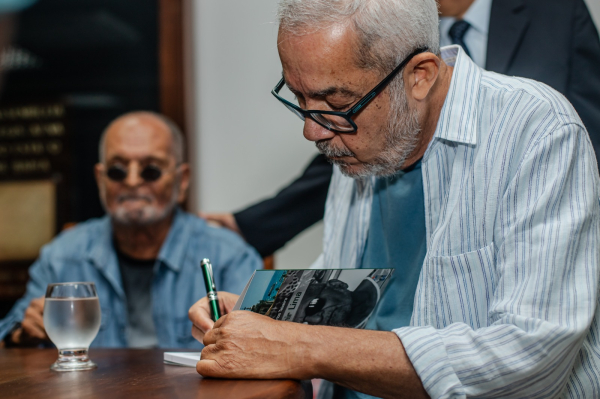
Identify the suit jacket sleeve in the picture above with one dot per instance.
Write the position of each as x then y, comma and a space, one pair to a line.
270, 224
583, 89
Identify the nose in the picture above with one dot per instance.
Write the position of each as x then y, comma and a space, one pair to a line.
315, 132
133, 178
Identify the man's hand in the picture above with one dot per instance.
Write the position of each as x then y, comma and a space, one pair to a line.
243, 344
32, 329
199, 313
226, 220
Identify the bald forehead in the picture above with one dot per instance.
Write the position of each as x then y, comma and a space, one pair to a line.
138, 136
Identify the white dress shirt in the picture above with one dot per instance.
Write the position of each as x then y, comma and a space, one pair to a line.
507, 300
476, 38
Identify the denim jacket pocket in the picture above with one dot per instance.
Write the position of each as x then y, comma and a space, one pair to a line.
462, 287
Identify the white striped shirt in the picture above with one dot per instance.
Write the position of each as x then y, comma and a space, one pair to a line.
507, 300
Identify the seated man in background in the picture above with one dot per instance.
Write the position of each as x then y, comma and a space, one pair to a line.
144, 255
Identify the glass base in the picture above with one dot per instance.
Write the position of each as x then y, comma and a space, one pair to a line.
73, 360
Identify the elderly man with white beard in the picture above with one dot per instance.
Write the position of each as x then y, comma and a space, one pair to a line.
480, 190
144, 255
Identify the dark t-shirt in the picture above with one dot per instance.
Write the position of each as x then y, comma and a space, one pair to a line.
137, 276
396, 239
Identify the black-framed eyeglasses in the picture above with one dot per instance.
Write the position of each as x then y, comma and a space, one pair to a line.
149, 174
341, 122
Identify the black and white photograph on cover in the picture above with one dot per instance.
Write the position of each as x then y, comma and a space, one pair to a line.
338, 297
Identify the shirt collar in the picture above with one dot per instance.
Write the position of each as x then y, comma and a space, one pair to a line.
458, 118
173, 251
103, 255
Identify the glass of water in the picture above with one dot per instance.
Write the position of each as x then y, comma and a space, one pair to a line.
72, 320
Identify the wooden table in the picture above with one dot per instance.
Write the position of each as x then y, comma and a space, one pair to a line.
127, 373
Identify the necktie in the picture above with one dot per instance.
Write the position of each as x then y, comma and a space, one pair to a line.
457, 33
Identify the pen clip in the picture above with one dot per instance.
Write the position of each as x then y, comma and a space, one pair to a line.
208, 266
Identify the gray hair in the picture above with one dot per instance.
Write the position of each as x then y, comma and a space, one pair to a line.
176, 135
387, 30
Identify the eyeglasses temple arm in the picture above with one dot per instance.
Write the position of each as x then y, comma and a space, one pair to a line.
379, 88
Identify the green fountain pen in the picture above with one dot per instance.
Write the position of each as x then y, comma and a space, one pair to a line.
211, 289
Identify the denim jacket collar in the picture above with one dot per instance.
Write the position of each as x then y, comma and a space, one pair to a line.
173, 251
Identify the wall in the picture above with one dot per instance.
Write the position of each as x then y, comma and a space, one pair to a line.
248, 145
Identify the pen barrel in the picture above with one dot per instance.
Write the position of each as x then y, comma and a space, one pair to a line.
213, 303
211, 290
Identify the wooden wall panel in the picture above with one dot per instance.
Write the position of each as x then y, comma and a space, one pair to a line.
171, 69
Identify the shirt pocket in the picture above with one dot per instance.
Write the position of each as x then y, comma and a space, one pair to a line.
462, 287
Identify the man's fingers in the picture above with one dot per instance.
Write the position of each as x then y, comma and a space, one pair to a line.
37, 304
35, 317
197, 334
33, 321
200, 316
209, 368
227, 301
210, 338
219, 322
31, 329
208, 365
226, 220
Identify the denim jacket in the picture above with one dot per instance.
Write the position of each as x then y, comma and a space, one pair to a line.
86, 253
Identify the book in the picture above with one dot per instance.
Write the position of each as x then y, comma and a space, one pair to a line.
333, 297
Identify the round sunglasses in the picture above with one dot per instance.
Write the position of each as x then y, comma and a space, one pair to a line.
150, 173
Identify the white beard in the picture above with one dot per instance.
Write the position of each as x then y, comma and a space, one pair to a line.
143, 216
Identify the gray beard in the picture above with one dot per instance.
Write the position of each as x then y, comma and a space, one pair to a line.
143, 217
401, 138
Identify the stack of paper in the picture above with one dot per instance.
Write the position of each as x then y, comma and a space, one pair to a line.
187, 359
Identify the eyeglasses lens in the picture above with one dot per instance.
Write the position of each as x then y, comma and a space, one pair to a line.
116, 173
295, 111
150, 173
333, 122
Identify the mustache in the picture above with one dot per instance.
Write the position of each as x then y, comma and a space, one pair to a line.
325, 148
133, 197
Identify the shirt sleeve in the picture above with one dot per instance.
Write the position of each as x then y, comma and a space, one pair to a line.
545, 261
40, 274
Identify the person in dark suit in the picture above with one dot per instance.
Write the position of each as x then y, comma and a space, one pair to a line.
552, 41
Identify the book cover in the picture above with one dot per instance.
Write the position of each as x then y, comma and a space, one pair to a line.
333, 297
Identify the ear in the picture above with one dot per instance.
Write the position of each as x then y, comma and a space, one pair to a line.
184, 182
420, 75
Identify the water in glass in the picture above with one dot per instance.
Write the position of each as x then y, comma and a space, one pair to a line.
72, 323
72, 320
